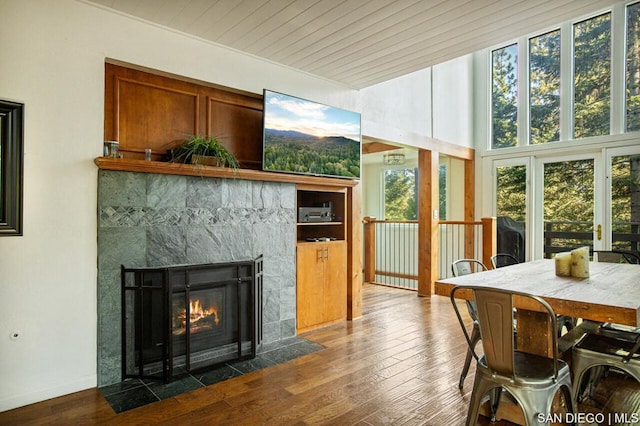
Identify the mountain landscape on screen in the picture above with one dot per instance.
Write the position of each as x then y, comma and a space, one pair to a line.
306, 137
297, 152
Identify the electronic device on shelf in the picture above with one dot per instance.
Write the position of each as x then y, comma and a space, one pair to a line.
320, 239
316, 214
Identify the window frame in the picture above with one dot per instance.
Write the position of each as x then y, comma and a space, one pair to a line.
11, 167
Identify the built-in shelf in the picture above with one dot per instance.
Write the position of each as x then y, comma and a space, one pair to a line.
141, 166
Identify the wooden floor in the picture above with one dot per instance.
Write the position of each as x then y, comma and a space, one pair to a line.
398, 365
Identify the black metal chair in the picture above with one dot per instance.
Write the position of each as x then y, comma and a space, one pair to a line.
464, 267
532, 380
503, 259
616, 256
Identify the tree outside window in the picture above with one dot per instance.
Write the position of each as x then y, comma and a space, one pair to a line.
592, 76
544, 88
504, 97
400, 198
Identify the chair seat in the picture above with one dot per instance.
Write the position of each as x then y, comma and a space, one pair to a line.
604, 344
531, 369
619, 331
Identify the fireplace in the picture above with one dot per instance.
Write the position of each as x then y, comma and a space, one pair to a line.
179, 319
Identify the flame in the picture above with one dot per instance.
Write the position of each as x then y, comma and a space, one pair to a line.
197, 312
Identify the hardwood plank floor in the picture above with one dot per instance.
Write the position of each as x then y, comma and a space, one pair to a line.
398, 365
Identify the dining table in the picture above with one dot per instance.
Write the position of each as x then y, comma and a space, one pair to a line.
611, 293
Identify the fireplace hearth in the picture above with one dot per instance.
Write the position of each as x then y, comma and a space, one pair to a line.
179, 319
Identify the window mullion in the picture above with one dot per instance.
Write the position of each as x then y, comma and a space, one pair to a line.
618, 64
523, 92
566, 81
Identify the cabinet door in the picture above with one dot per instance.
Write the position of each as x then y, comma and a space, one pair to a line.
310, 285
335, 281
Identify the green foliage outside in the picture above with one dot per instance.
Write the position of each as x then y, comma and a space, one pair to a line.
544, 88
633, 68
592, 75
504, 95
400, 195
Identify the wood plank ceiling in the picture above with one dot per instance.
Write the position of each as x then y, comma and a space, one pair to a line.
357, 43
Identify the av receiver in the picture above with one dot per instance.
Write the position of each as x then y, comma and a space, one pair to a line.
315, 214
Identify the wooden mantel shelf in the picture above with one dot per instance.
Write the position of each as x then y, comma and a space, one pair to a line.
141, 166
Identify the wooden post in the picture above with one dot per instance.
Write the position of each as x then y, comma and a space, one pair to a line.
489, 239
354, 253
469, 207
428, 198
369, 250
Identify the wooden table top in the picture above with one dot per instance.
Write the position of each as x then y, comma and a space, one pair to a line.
610, 294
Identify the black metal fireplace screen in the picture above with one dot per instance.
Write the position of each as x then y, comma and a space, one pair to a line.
178, 319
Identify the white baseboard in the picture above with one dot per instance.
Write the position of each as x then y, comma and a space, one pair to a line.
23, 399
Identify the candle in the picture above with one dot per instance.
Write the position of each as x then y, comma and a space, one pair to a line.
580, 262
563, 264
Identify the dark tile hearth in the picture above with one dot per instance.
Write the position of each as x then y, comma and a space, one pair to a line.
134, 393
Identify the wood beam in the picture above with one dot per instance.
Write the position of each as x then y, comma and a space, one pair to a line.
428, 199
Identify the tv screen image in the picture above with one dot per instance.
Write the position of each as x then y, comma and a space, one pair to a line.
306, 137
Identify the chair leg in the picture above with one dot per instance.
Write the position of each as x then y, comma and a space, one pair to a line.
475, 338
494, 398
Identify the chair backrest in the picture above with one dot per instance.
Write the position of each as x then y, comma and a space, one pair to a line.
503, 259
616, 256
467, 266
495, 318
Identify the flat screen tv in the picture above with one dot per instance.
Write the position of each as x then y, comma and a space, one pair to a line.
300, 136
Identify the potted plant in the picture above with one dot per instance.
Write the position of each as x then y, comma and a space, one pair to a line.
206, 150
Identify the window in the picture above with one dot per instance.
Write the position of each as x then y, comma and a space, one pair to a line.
11, 124
578, 81
592, 76
504, 96
633, 68
442, 192
544, 88
400, 200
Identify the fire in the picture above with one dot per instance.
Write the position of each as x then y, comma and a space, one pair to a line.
200, 318
197, 312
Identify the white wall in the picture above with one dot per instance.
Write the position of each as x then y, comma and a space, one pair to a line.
453, 101
52, 59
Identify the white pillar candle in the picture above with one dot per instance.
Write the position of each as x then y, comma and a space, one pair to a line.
563, 264
580, 262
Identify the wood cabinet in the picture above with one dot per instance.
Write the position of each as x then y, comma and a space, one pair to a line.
321, 284
322, 253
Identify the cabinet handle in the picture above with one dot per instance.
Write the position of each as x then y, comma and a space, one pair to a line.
320, 254
327, 257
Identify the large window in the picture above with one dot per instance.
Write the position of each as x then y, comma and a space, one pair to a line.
592, 76
578, 81
505, 97
633, 68
544, 88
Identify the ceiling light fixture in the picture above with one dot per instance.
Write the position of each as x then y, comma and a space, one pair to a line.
393, 159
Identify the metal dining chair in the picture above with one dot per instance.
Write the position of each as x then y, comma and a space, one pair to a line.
464, 267
503, 259
609, 346
532, 380
616, 256
596, 353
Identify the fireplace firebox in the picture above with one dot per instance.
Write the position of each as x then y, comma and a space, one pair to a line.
179, 319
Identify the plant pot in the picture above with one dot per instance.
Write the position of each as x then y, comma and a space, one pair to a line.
206, 160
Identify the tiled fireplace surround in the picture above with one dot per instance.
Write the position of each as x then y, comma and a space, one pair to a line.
147, 219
